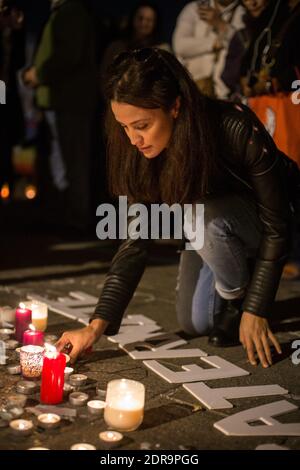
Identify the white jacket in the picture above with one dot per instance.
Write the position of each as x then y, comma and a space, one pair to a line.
194, 39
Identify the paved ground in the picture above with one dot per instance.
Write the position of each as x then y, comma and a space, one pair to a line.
38, 262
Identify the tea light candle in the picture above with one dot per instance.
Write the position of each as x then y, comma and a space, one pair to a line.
6, 332
31, 360
39, 316
124, 404
68, 389
110, 438
23, 320
83, 446
78, 398
48, 420
26, 387
68, 371
11, 344
52, 386
18, 401
95, 407
38, 448
14, 369
78, 380
33, 336
21, 427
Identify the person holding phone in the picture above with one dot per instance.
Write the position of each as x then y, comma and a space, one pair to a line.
201, 37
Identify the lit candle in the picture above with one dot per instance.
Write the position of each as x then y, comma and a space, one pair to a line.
52, 386
48, 420
83, 446
78, 380
110, 438
32, 336
23, 320
95, 407
31, 360
21, 427
124, 404
78, 398
26, 387
6, 332
38, 448
39, 313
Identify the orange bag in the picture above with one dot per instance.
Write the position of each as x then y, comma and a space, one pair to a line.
281, 118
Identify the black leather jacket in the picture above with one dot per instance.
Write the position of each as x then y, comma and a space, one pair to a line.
252, 163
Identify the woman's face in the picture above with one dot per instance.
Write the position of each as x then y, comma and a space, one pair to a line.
149, 130
255, 7
144, 21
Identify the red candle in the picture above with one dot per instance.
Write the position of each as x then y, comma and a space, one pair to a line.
33, 337
23, 320
53, 377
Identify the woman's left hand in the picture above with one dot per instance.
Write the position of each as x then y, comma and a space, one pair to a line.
255, 335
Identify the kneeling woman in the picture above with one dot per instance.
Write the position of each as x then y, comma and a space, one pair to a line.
168, 143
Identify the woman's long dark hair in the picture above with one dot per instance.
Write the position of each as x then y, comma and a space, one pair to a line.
184, 171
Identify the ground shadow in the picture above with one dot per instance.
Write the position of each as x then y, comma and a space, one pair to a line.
164, 414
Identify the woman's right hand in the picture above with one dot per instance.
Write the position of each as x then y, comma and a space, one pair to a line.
82, 339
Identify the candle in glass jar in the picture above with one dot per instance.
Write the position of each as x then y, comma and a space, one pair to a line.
31, 361
52, 386
33, 336
23, 320
124, 404
39, 313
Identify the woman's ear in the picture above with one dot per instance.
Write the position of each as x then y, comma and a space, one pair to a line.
176, 107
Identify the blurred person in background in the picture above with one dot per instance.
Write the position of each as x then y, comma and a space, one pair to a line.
12, 58
201, 37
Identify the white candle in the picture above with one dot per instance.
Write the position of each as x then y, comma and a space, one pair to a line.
124, 404
78, 398
21, 427
38, 448
48, 420
83, 446
78, 380
26, 387
95, 407
39, 316
110, 437
14, 369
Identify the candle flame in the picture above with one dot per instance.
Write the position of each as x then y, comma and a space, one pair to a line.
32, 327
22, 305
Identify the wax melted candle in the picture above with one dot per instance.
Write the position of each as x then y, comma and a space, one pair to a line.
39, 313
23, 320
52, 386
33, 336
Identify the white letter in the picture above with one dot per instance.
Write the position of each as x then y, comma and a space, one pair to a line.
296, 354
2, 92
131, 334
295, 95
165, 211
141, 221
194, 226
122, 217
109, 221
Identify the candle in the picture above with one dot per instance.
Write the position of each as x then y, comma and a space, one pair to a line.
124, 404
14, 369
51, 339
33, 336
95, 407
6, 332
68, 372
26, 387
31, 360
18, 401
7, 314
52, 387
48, 420
78, 380
83, 446
23, 320
38, 448
110, 438
39, 313
11, 344
78, 398
21, 427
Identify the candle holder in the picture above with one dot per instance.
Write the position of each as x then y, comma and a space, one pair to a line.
27, 388
11, 344
16, 401
14, 369
78, 398
23, 320
110, 439
48, 420
125, 401
83, 446
31, 360
96, 407
39, 316
21, 427
5, 333
78, 380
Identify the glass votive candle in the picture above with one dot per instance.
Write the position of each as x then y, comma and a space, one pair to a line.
83, 446
31, 360
125, 401
21, 427
48, 420
95, 407
39, 316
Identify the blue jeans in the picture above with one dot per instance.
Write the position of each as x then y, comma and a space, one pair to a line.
220, 270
